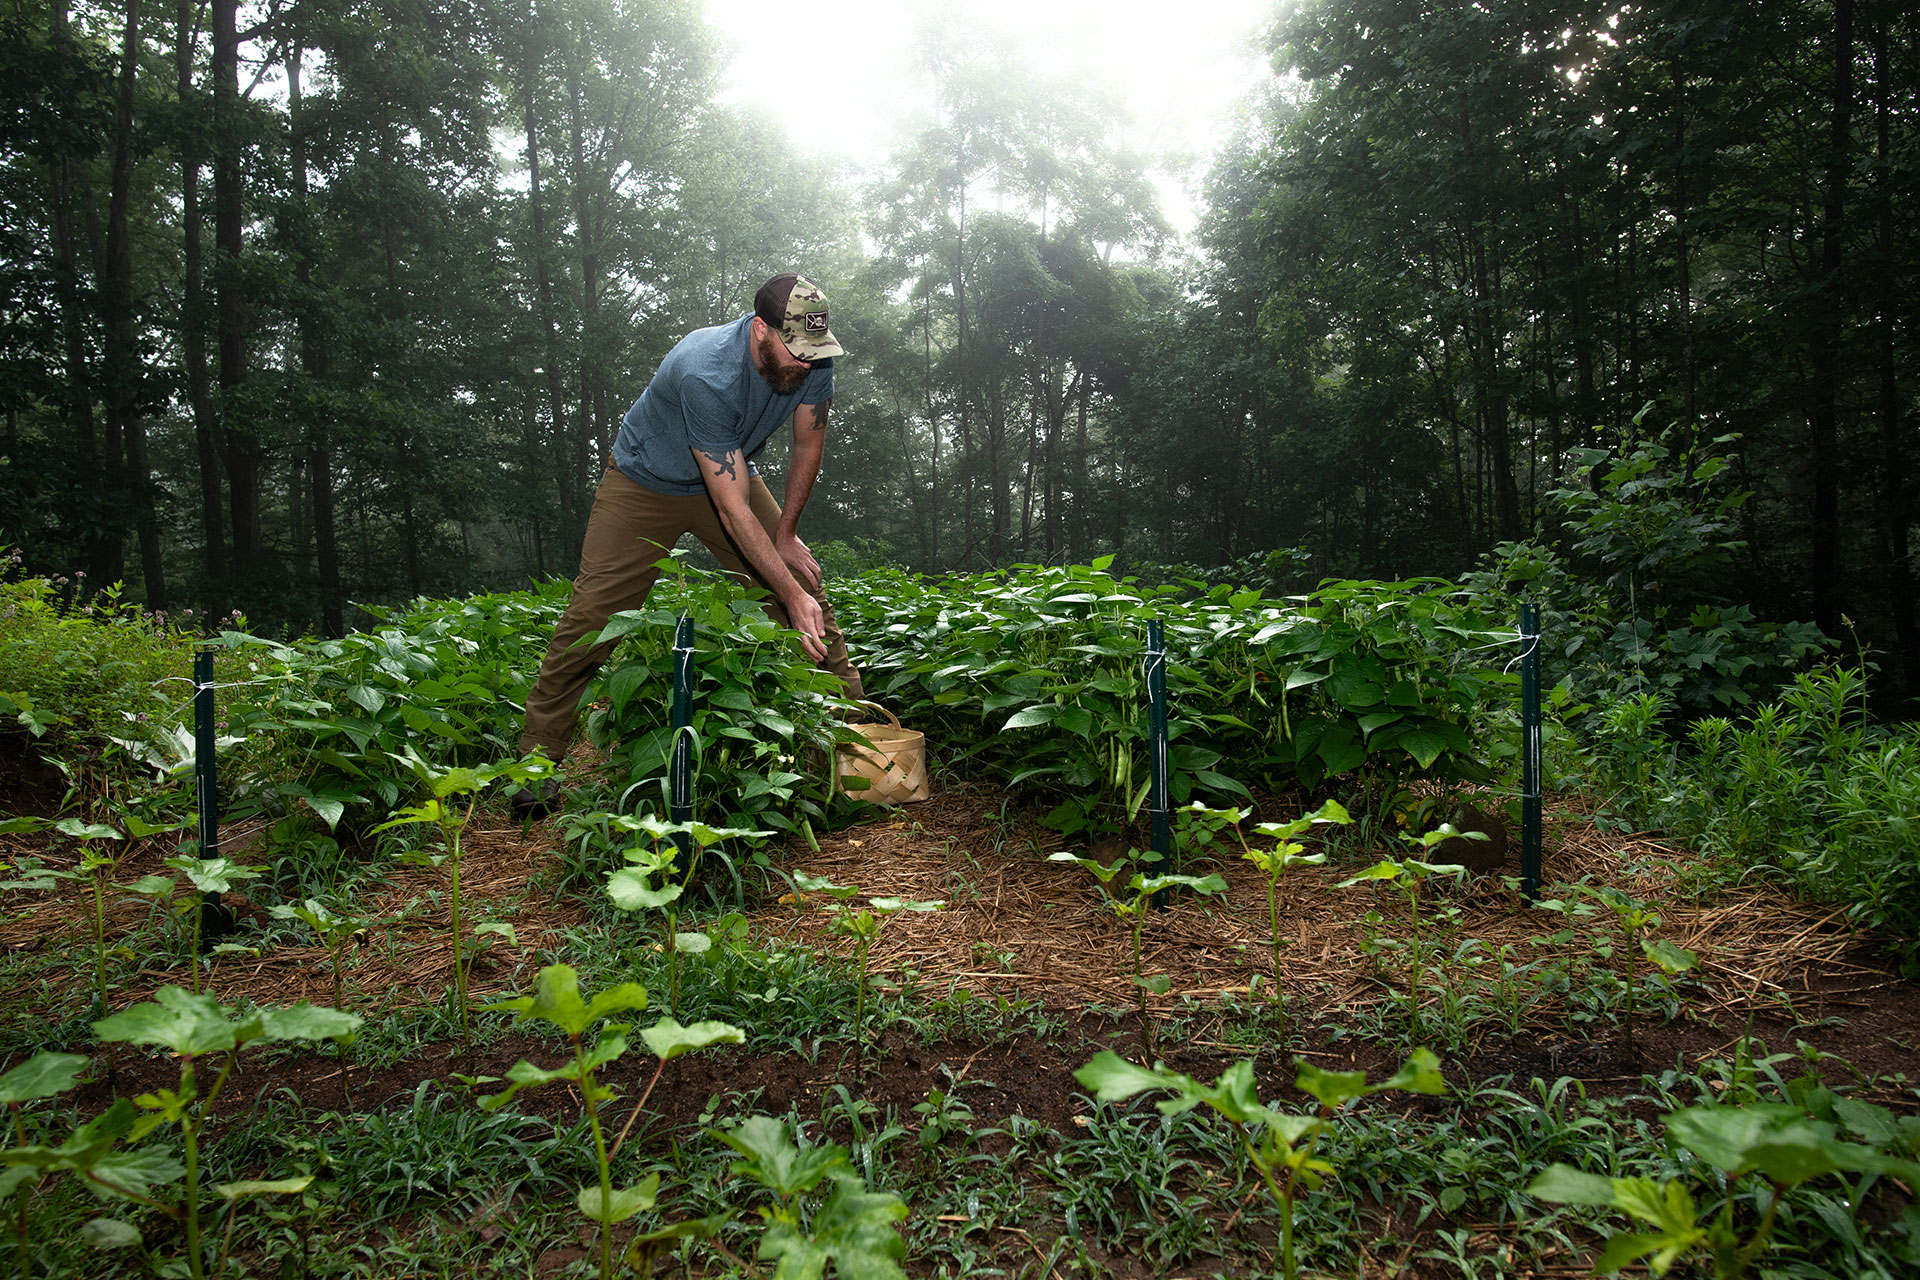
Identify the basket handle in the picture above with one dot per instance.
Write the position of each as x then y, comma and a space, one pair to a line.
892, 719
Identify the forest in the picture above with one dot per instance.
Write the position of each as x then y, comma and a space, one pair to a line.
1412, 659
332, 303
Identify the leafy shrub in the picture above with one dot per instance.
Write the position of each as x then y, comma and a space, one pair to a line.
1805, 784
1630, 594
85, 670
327, 722
765, 718
1038, 673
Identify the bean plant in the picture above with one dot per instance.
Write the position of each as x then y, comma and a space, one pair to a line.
1635, 918
1777, 1142
208, 875
22, 1167
445, 811
864, 927
1287, 851
1141, 892
194, 1027
557, 1000
1281, 1146
853, 1231
633, 887
336, 933
1409, 875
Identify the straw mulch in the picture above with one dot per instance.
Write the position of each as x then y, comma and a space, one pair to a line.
1015, 924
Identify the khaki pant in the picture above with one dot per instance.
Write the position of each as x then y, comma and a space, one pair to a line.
617, 570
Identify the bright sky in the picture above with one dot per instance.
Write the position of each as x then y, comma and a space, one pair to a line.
1184, 66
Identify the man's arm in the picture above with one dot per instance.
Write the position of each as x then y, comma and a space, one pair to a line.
803, 468
726, 476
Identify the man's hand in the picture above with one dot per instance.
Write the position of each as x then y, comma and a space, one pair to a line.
726, 477
799, 559
803, 611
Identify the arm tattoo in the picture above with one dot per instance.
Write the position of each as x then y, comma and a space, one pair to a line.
819, 419
723, 463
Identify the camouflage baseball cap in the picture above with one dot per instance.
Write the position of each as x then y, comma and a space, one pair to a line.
795, 308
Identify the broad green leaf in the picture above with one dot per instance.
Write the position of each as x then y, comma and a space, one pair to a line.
801, 1256
1671, 957
152, 886
455, 782
556, 999
629, 890
282, 1187
109, 1233
891, 905
1424, 747
1113, 1079
1203, 885
1333, 1089
499, 929
139, 828
823, 885
1378, 871
305, 1021
329, 809
623, 1204
1419, 1074
775, 1161
214, 875
1667, 1206
41, 1076
667, 1039
1728, 1137
693, 944
524, 1075
1331, 811
88, 1144
85, 830
1564, 1184
188, 1024
1626, 1248
15, 1176
855, 1229
1158, 984
133, 1173
1031, 716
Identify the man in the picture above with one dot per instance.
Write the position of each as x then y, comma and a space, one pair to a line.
683, 463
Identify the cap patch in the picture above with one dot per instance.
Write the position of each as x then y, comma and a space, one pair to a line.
816, 322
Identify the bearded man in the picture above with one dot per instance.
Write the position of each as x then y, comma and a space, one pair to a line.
683, 463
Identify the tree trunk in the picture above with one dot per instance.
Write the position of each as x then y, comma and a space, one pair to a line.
240, 446
193, 338
69, 290
313, 363
592, 390
570, 518
933, 428
1685, 279
1823, 345
123, 359
1895, 519
960, 369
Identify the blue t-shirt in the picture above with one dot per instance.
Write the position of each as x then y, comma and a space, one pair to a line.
706, 395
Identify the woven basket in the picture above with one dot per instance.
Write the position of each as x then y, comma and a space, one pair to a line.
889, 768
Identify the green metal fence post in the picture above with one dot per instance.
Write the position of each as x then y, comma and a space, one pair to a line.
1159, 802
680, 764
215, 920
1530, 760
